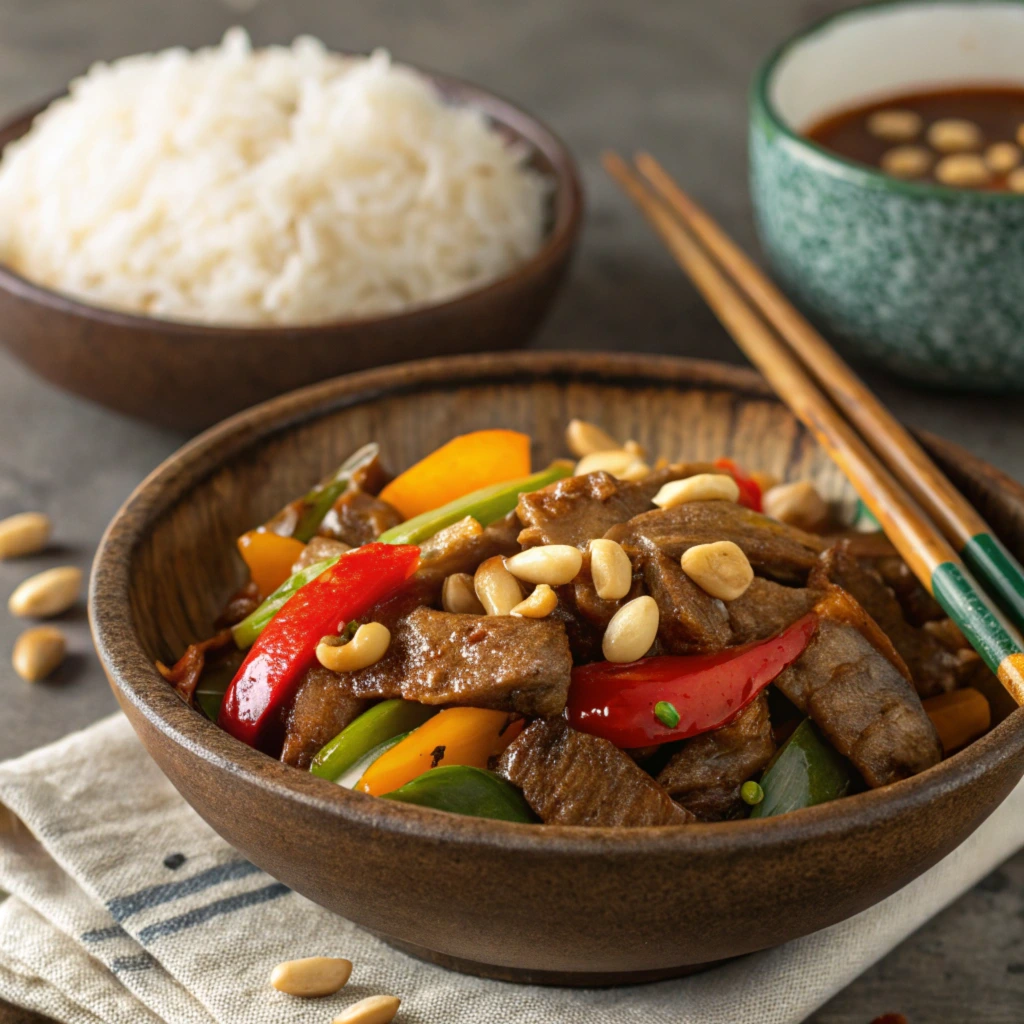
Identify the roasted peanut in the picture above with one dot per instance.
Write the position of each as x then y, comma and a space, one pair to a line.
23, 534
797, 504
458, 595
766, 481
906, 161
583, 438
1002, 157
47, 593
372, 1010
38, 652
367, 647
720, 569
702, 487
954, 135
553, 564
962, 170
635, 448
895, 125
541, 603
496, 588
312, 976
631, 631
610, 569
617, 461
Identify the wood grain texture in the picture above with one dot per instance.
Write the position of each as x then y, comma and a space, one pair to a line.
189, 375
615, 902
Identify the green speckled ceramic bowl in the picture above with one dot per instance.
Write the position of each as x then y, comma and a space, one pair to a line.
925, 280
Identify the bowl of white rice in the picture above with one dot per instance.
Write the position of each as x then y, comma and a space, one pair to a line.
186, 233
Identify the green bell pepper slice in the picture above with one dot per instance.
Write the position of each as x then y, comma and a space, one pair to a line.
213, 684
373, 727
806, 771
317, 503
461, 789
486, 506
350, 778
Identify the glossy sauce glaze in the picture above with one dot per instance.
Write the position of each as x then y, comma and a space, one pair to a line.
966, 137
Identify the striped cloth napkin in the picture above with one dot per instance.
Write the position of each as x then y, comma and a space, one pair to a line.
126, 908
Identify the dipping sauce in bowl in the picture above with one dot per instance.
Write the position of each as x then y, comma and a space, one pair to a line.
967, 137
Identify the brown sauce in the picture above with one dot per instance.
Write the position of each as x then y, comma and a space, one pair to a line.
943, 136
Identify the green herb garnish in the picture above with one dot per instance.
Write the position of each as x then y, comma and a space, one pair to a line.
666, 713
751, 793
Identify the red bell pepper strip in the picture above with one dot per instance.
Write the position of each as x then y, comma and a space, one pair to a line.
266, 681
618, 701
750, 490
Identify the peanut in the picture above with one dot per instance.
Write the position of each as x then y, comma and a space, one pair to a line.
47, 593
541, 603
797, 504
631, 631
38, 652
618, 462
610, 569
702, 487
458, 595
367, 647
954, 135
313, 976
496, 588
583, 438
23, 534
895, 125
720, 569
553, 564
372, 1010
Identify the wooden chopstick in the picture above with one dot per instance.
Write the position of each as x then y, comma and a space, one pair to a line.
981, 550
921, 544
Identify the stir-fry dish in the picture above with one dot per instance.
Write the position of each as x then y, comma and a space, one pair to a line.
612, 641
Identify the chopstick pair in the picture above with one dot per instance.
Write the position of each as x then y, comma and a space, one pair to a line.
890, 471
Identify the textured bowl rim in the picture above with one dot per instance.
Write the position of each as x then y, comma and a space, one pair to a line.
136, 681
567, 199
764, 110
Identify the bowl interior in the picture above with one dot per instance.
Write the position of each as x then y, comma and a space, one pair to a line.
896, 47
184, 569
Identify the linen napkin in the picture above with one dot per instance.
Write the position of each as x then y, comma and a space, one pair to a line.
126, 908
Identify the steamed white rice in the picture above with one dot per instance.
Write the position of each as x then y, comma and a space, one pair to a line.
278, 186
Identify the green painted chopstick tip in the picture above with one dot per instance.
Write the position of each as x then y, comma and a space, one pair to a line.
988, 559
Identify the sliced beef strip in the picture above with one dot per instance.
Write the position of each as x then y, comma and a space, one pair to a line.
933, 668
493, 661
856, 689
358, 518
579, 508
691, 620
705, 775
781, 552
323, 707
766, 609
572, 778
317, 550
462, 546
918, 605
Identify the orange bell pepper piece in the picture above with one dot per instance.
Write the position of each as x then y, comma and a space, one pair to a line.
270, 558
463, 465
468, 736
959, 717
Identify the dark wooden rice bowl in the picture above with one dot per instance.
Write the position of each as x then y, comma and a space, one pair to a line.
188, 375
529, 903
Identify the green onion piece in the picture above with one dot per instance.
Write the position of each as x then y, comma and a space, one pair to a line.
751, 793
246, 632
666, 713
319, 500
486, 506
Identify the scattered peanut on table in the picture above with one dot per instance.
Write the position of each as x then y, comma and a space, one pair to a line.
311, 977
372, 1010
23, 534
38, 652
367, 647
720, 569
47, 593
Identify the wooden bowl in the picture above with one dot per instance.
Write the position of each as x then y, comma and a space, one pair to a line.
189, 375
565, 905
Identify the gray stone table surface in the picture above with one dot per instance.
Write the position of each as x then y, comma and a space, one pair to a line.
669, 75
